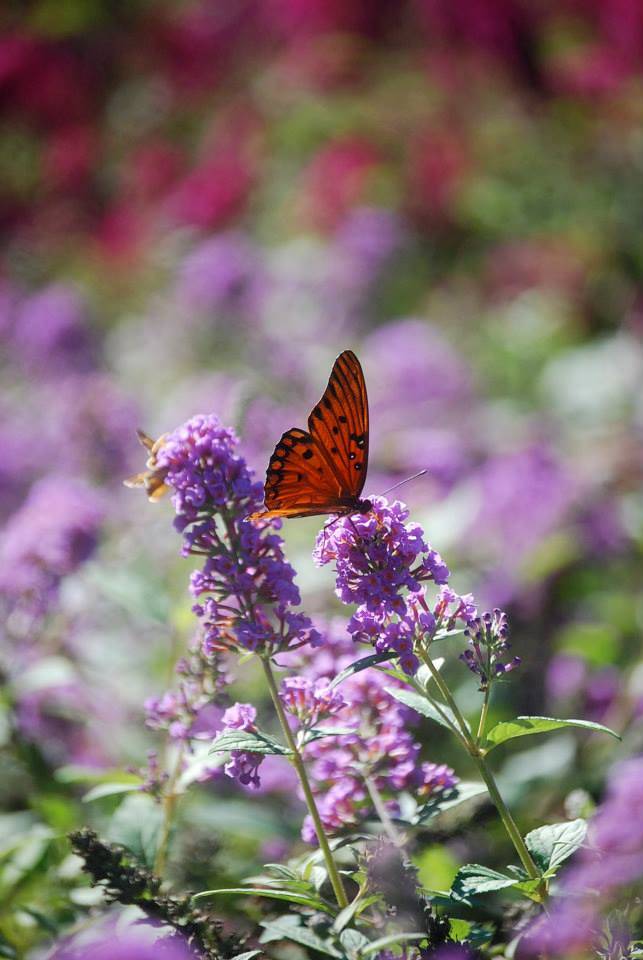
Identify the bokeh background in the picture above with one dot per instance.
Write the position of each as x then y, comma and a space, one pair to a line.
201, 205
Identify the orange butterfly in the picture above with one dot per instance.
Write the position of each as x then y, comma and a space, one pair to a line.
324, 470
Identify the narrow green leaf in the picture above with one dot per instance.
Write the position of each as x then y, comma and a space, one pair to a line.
291, 896
362, 664
424, 706
552, 844
253, 742
137, 824
289, 928
248, 955
109, 790
473, 879
526, 726
390, 941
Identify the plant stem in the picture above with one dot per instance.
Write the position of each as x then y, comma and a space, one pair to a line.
483, 716
298, 763
486, 774
390, 829
170, 798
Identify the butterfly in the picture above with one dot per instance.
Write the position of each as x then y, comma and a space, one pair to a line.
323, 470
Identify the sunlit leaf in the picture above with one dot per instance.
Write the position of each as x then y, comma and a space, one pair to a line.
526, 726
552, 844
246, 740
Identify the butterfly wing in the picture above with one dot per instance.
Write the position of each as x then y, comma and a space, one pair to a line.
324, 469
299, 482
339, 424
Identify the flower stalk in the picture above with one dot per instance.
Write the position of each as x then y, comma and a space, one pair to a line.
473, 748
300, 767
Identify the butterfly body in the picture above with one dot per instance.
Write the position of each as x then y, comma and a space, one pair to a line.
322, 470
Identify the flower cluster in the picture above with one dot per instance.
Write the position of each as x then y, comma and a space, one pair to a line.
48, 538
245, 589
310, 701
375, 745
487, 637
191, 711
243, 765
382, 562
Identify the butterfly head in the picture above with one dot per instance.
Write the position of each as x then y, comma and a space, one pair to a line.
363, 507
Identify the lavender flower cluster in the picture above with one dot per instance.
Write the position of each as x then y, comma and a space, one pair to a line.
377, 557
382, 563
487, 636
374, 744
245, 589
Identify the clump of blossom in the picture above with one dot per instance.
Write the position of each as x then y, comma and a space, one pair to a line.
50, 332
190, 711
224, 274
245, 590
243, 765
610, 860
55, 531
310, 701
382, 562
376, 744
487, 636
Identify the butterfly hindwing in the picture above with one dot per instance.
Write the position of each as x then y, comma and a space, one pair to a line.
298, 477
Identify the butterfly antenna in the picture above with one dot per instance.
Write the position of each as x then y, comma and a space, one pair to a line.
396, 485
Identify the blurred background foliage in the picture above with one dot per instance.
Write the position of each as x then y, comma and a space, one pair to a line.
201, 204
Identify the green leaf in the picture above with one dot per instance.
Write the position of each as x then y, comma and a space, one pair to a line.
424, 706
526, 726
251, 741
318, 733
289, 928
473, 879
465, 790
389, 941
552, 844
353, 942
307, 900
75, 773
248, 955
363, 664
137, 825
110, 789
345, 916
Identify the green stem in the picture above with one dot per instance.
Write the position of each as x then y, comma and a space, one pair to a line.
170, 799
486, 774
298, 763
483, 716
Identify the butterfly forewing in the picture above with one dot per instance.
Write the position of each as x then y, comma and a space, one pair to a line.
339, 424
323, 470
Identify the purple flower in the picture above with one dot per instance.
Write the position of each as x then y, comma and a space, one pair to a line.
54, 532
50, 332
377, 744
487, 638
223, 274
243, 765
382, 562
310, 700
143, 942
245, 588
378, 555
